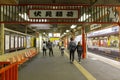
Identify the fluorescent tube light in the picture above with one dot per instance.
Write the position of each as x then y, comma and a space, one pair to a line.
73, 26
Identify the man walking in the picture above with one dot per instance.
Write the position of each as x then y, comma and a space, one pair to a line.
72, 47
49, 45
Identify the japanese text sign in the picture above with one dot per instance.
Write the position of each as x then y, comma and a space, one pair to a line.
53, 13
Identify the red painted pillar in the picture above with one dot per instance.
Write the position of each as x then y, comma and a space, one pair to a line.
3, 76
66, 41
83, 43
99, 44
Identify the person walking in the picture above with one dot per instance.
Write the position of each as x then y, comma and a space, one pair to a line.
62, 49
44, 48
72, 48
59, 44
79, 51
49, 45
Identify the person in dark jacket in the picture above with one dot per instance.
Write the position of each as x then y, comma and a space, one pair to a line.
62, 49
72, 47
79, 51
49, 45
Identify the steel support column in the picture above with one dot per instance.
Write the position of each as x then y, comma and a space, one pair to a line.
2, 34
26, 36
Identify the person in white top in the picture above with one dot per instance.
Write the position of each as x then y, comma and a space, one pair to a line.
44, 48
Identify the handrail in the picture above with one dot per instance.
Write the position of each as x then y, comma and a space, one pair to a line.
3, 63
9, 72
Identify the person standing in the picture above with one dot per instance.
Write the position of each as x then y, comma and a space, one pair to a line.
79, 51
49, 45
62, 49
60, 44
44, 48
72, 48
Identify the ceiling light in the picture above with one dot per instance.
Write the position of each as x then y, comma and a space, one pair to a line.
24, 16
45, 20
64, 33
44, 33
73, 26
84, 17
67, 30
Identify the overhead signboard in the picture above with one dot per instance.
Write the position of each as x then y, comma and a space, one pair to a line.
54, 34
53, 14
104, 31
56, 13
94, 26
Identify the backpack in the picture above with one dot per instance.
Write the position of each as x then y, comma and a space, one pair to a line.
79, 48
49, 45
72, 46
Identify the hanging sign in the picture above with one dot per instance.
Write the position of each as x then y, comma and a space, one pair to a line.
53, 14
94, 26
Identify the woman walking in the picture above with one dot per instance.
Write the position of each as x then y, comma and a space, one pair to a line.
79, 51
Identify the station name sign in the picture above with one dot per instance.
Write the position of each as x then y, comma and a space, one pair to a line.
49, 14
95, 26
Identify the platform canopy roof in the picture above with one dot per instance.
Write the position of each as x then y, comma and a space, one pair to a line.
53, 27
91, 2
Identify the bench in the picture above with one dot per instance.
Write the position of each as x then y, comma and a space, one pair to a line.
21, 58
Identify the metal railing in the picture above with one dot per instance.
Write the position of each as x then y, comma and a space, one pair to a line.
8, 71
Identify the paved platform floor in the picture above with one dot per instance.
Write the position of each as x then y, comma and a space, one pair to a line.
58, 67
102, 68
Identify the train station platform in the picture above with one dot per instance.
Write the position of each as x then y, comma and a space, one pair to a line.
58, 67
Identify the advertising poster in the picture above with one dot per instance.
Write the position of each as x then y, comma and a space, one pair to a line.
7, 41
16, 41
19, 42
25, 42
28, 41
22, 41
37, 42
12, 41
32, 41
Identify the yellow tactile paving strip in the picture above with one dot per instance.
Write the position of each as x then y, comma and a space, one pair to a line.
82, 70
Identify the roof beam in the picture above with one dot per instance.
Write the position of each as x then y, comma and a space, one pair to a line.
8, 2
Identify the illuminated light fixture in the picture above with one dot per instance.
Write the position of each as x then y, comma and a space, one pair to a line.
64, 33
36, 20
30, 20
42, 20
33, 20
73, 26
45, 20
44, 33
67, 30
54, 7
39, 20
24, 16
84, 17
50, 34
